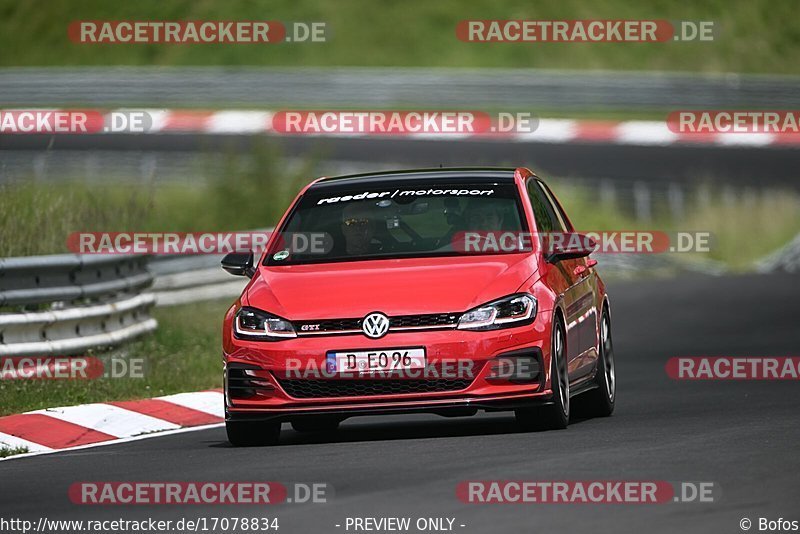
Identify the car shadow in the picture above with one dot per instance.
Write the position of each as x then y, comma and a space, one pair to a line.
393, 428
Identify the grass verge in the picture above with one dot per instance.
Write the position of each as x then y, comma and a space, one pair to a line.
5, 452
36, 218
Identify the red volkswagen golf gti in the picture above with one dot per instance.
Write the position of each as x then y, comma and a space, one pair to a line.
442, 291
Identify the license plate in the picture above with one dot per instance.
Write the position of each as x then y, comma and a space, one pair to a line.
380, 360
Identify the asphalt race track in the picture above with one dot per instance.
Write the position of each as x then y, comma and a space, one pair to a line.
741, 435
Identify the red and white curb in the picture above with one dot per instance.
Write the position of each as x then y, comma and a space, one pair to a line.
55, 429
557, 131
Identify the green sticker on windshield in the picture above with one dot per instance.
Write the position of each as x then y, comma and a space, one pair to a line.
282, 255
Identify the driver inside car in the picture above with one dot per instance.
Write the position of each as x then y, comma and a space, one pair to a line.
483, 217
359, 226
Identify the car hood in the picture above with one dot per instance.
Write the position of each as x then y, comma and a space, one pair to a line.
394, 287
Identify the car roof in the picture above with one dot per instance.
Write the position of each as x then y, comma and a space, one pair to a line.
438, 175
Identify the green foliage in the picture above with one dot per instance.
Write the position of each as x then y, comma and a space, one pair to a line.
751, 35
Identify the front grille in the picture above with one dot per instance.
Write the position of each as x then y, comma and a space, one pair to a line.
313, 389
399, 322
421, 321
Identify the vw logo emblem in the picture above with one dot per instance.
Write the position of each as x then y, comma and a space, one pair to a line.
375, 325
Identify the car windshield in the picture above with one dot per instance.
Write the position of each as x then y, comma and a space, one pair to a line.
397, 220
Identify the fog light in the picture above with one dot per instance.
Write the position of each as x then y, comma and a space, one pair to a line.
520, 369
245, 381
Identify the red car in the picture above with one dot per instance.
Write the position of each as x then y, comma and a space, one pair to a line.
442, 291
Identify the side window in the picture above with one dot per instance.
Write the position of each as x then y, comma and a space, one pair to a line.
556, 207
546, 218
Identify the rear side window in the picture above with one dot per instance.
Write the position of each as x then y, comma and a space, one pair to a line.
562, 217
546, 218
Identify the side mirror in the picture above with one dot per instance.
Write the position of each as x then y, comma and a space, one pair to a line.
239, 263
568, 246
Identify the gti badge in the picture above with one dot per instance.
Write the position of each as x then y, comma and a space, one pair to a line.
375, 325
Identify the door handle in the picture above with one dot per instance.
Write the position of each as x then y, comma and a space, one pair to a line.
591, 263
580, 270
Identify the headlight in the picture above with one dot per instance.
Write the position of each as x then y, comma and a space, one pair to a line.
512, 310
258, 325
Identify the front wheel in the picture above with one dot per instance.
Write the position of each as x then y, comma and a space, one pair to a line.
252, 433
554, 416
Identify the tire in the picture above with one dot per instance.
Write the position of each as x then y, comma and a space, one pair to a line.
315, 424
252, 433
599, 402
554, 416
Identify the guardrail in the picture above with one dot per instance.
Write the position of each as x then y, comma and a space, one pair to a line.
68, 303
69, 277
785, 260
380, 87
92, 301
184, 279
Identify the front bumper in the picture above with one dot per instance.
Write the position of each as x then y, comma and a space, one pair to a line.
266, 364
443, 407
